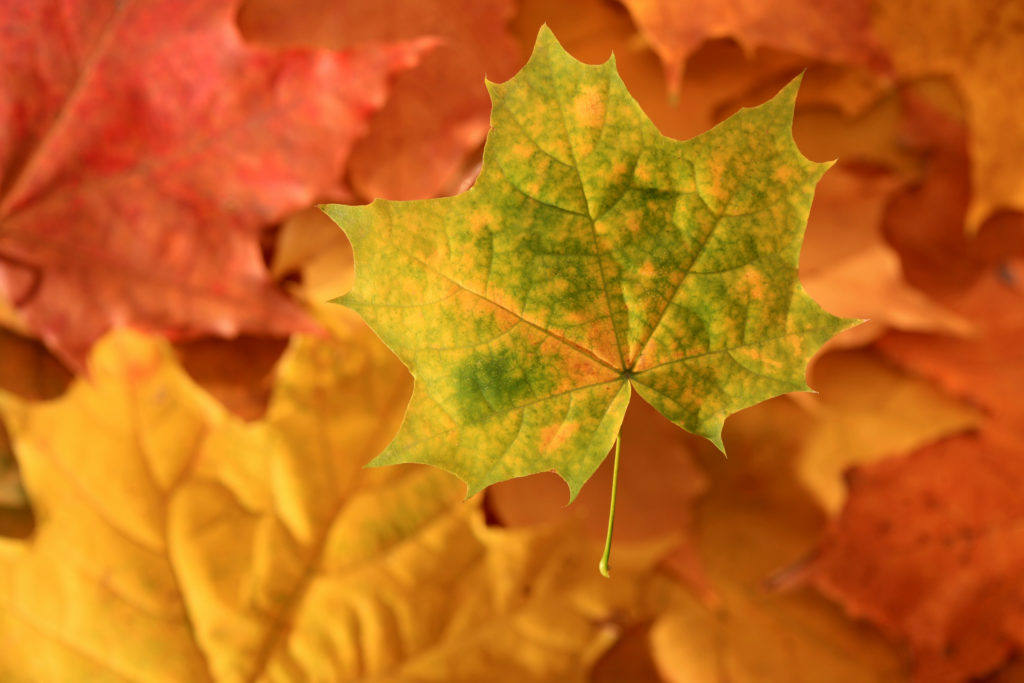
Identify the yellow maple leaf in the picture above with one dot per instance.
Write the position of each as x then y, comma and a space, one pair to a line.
178, 543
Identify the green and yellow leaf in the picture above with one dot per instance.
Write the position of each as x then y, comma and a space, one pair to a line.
593, 257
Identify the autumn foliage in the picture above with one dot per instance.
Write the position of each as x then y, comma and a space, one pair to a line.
184, 420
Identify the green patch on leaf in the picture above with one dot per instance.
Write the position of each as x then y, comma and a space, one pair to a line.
593, 255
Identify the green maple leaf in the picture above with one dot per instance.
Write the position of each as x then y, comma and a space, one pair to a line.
593, 256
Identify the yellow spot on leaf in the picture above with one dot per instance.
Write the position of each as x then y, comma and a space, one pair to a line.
783, 174
632, 219
479, 220
588, 107
754, 281
523, 151
553, 437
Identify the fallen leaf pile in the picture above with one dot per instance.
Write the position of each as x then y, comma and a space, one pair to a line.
185, 420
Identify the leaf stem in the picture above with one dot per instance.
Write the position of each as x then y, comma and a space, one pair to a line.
603, 565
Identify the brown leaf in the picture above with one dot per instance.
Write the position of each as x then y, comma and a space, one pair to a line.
930, 546
143, 147
438, 112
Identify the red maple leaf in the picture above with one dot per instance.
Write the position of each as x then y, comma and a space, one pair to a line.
143, 146
930, 547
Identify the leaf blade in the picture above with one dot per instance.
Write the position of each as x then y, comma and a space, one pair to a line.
593, 257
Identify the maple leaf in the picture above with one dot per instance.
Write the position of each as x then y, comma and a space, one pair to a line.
593, 255
929, 546
177, 543
836, 30
143, 147
436, 113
